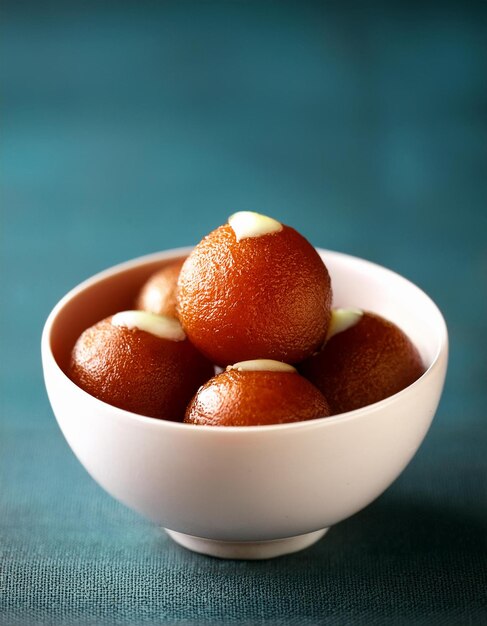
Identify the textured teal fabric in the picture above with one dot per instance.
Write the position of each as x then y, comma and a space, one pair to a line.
134, 127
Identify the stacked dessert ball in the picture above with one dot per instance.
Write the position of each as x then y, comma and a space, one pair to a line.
253, 298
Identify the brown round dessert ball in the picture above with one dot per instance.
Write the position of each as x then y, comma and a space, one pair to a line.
367, 362
239, 397
258, 296
134, 369
159, 293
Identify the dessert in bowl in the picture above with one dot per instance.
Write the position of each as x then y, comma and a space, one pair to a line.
247, 491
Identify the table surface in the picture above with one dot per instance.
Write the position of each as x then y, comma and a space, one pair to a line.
134, 127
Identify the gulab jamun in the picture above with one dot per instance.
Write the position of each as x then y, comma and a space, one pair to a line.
159, 293
256, 393
139, 362
365, 359
254, 288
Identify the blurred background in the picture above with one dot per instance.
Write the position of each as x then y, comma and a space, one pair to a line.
131, 127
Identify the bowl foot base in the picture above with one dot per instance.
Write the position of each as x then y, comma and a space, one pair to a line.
246, 549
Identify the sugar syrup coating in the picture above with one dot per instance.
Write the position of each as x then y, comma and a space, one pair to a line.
267, 296
366, 363
137, 371
256, 398
159, 293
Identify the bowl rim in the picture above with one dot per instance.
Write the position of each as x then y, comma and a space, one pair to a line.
47, 353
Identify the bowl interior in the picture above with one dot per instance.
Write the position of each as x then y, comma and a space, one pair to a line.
104, 294
363, 284
355, 282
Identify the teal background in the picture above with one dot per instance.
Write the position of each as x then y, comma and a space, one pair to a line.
129, 128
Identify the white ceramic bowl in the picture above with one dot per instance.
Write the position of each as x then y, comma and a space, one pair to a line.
247, 492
